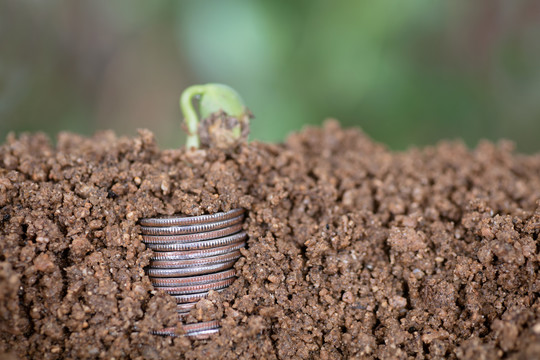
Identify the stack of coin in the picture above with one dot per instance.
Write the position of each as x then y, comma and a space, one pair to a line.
193, 255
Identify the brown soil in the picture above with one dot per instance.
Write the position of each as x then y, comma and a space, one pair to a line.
354, 251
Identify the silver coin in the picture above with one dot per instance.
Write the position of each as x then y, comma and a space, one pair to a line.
193, 280
192, 330
196, 335
206, 325
166, 239
185, 308
198, 270
196, 254
199, 262
231, 239
188, 298
193, 289
190, 220
190, 229
165, 332
203, 334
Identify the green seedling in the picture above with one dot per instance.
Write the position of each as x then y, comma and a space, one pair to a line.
224, 119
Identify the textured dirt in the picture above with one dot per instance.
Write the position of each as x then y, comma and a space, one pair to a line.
354, 251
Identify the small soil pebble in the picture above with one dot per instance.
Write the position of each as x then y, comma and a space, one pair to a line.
354, 251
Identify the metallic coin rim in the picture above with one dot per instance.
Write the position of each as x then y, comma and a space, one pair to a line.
190, 229
197, 335
193, 289
185, 307
188, 298
205, 261
227, 240
187, 238
192, 330
203, 334
165, 332
197, 254
193, 280
198, 270
182, 220
205, 325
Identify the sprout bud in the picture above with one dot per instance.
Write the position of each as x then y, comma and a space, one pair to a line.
225, 118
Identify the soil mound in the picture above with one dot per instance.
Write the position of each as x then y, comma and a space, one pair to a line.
354, 251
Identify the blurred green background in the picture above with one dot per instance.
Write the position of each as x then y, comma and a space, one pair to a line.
407, 72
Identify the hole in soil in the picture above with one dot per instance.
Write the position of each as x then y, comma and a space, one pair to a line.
386, 250
425, 347
376, 203
111, 194
64, 263
461, 298
26, 308
289, 296
484, 327
22, 241
66, 332
303, 250
406, 294
377, 321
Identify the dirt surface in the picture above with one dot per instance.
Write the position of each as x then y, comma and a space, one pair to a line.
354, 251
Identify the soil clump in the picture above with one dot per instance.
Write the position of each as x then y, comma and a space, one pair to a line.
354, 251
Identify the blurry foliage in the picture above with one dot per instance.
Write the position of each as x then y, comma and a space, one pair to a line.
408, 73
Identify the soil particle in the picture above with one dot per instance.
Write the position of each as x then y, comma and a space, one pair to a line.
223, 131
354, 251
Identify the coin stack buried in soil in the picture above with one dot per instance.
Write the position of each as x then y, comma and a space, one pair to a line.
193, 255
